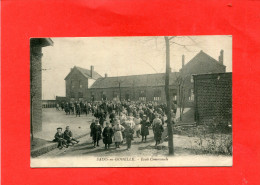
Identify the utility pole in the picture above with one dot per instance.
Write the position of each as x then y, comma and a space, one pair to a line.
167, 93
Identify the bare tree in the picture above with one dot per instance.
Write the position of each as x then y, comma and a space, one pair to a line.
180, 80
169, 40
167, 93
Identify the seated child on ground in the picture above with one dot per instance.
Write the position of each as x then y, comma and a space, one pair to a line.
59, 137
68, 136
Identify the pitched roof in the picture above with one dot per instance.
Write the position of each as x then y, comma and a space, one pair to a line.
202, 56
152, 80
86, 73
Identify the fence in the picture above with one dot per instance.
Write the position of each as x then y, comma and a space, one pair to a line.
49, 103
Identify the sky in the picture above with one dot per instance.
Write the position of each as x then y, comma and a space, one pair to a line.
121, 56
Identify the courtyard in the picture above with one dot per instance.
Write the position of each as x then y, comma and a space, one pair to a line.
185, 145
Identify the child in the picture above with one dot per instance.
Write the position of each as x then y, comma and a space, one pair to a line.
157, 129
59, 137
91, 129
123, 124
129, 131
144, 128
112, 117
137, 122
129, 121
68, 136
67, 108
78, 110
97, 131
107, 135
118, 133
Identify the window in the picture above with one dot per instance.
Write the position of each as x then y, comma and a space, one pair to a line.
127, 96
80, 94
103, 95
156, 98
115, 94
72, 84
191, 98
142, 93
157, 95
191, 79
80, 85
142, 98
92, 96
72, 95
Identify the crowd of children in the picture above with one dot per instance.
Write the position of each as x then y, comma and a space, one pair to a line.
125, 120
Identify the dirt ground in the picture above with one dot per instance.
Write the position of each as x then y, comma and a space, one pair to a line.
184, 145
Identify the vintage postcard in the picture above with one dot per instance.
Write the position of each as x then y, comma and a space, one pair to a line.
157, 101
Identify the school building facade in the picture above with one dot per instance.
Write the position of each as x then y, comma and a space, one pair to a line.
146, 87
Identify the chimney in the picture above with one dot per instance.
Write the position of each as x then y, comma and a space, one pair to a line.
183, 60
220, 58
91, 71
105, 75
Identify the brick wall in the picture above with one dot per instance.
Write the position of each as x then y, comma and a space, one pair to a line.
36, 88
60, 99
201, 65
76, 83
36, 45
133, 93
213, 97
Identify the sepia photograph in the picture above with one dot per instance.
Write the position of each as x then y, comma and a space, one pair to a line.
137, 101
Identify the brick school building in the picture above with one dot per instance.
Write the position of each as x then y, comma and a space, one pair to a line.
145, 87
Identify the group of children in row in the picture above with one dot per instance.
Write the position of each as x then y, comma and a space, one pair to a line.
64, 139
123, 128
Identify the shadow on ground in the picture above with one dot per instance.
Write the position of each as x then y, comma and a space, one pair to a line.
37, 142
